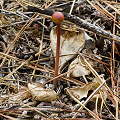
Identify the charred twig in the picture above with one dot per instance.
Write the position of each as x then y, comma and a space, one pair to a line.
82, 23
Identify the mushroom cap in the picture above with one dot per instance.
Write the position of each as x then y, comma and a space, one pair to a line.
57, 17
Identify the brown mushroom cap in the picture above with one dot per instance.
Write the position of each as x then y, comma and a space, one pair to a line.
57, 17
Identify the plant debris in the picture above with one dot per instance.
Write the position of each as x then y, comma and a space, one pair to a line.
88, 79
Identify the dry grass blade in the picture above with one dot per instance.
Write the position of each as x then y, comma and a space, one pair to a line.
9, 56
76, 82
97, 76
113, 53
40, 46
116, 10
87, 100
37, 111
93, 114
23, 64
63, 78
27, 59
110, 2
117, 100
8, 117
106, 105
50, 4
27, 74
105, 11
30, 3
21, 4
23, 28
72, 7
102, 10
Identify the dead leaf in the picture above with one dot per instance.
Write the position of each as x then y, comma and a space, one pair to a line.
104, 94
12, 6
41, 94
22, 95
89, 42
78, 63
81, 92
70, 43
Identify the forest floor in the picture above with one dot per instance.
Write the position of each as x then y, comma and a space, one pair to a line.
88, 75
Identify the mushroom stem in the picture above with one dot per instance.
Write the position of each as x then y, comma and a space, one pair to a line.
57, 55
57, 17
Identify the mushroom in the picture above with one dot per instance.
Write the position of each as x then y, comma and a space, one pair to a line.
57, 17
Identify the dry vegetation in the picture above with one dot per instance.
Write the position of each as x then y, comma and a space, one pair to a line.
88, 80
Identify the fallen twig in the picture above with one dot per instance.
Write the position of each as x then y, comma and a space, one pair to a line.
82, 23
